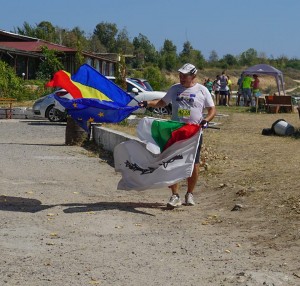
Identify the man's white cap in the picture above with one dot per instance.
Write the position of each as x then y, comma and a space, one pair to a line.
188, 68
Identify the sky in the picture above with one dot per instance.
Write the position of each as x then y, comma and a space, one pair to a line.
271, 27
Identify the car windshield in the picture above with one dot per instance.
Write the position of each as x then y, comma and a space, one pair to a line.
143, 83
130, 86
147, 84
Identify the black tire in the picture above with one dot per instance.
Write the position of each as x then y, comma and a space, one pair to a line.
161, 110
55, 115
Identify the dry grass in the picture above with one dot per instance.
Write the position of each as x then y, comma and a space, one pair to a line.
260, 173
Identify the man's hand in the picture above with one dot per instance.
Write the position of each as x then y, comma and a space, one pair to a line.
204, 124
143, 104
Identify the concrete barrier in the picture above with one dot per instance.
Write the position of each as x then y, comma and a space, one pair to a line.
108, 139
19, 113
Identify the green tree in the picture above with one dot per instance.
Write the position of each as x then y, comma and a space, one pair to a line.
249, 57
198, 59
73, 38
185, 55
213, 57
94, 45
50, 65
189, 55
123, 44
168, 56
262, 58
144, 51
293, 63
26, 30
281, 62
79, 58
46, 31
229, 60
106, 33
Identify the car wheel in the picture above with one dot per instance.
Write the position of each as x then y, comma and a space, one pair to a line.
161, 110
54, 115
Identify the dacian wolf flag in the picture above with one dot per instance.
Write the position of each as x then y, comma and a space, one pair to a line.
142, 169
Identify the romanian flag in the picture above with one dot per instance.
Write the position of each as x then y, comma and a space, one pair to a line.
164, 156
95, 98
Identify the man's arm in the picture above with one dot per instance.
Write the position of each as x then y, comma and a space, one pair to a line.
153, 103
211, 112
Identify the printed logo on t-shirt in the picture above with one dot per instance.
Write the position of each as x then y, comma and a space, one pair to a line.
189, 97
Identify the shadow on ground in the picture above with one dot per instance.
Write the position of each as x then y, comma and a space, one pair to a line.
19, 204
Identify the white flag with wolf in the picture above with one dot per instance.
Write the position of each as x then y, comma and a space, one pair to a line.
142, 170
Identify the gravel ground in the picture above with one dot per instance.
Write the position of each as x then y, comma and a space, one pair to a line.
64, 223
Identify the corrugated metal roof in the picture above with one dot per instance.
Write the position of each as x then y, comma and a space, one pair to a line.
35, 46
10, 51
16, 36
25, 44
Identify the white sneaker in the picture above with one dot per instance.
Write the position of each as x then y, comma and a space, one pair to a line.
189, 199
174, 201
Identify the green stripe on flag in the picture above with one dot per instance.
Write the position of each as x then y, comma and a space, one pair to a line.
161, 131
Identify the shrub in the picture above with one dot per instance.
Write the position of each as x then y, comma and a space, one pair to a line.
10, 84
157, 80
15, 87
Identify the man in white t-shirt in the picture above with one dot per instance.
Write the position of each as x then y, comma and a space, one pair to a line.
188, 99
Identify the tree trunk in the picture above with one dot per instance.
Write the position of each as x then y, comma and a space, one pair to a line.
75, 135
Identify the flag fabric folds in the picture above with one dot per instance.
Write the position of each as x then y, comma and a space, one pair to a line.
89, 110
142, 169
89, 83
160, 134
95, 98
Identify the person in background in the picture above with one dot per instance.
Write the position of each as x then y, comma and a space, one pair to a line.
247, 94
223, 89
255, 85
216, 89
240, 89
255, 90
209, 85
189, 99
229, 84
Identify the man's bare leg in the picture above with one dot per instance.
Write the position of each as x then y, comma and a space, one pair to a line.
192, 181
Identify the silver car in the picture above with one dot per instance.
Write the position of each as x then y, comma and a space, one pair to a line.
137, 89
48, 107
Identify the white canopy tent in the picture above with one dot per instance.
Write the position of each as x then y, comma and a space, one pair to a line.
264, 69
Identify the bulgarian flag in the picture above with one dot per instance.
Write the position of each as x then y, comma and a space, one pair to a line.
163, 155
161, 134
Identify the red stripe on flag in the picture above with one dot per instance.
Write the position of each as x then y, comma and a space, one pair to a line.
182, 133
63, 80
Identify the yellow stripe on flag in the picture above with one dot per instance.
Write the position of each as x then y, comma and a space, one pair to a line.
90, 92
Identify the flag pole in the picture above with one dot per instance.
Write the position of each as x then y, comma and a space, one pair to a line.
213, 127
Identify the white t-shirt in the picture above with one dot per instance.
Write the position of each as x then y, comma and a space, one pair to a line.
188, 103
216, 85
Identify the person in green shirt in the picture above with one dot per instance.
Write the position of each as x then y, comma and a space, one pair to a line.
209, 84
247, 94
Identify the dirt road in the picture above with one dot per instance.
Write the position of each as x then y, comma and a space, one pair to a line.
64, 223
